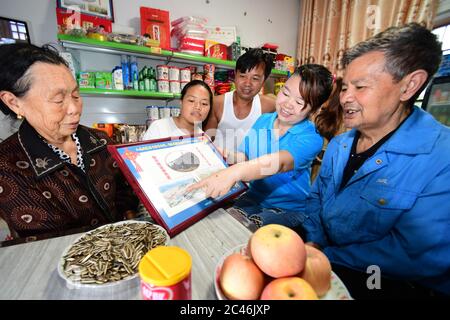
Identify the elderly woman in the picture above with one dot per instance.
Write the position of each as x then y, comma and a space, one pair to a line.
379, 208
55, 175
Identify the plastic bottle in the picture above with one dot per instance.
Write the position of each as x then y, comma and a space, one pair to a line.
125, 71
117, 78
165, 273
134, 73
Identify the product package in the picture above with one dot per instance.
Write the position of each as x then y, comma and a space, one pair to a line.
67, 20
117, 78
86, 79
216, 50
221, 34
156, 24
103, 80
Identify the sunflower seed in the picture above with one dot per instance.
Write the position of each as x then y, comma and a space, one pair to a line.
111, 253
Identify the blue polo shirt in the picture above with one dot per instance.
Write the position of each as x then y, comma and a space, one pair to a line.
286, 190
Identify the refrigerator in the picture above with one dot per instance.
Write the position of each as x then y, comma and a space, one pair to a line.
437, 95
437, 99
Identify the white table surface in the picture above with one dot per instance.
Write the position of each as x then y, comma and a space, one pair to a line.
29, 271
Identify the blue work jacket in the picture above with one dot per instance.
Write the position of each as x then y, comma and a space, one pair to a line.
395, 211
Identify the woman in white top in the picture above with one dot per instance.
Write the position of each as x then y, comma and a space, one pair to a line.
196, 102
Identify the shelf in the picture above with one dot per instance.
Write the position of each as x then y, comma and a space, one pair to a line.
280, 73
129, 93
438, 104
82, 43
88, 44
179, 56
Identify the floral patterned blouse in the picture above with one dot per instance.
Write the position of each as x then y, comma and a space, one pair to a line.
41, 195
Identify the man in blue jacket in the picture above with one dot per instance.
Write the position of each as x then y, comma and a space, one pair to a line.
380, 207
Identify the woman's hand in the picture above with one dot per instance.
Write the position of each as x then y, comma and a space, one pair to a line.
217, 184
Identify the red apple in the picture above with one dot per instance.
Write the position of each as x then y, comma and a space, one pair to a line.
317, 271
291, 288
278, 251
240, 278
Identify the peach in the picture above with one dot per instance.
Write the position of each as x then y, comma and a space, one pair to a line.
317, 271
240, 278
290, 288
278, 251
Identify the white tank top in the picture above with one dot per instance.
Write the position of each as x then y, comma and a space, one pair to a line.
231, 130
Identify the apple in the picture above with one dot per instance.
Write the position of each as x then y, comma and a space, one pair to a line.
277, 250
317, 271
290, 288
240, 278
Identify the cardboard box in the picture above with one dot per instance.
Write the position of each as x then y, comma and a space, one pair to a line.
156, 24
86, 79
103, 80
234, 51
220, 34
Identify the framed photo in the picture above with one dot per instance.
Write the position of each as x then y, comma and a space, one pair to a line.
98, 8
160, 171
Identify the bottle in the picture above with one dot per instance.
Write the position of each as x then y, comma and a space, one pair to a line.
141, 81
152, 80
147, 80
117, 78
134, 72
125, 71
165, 273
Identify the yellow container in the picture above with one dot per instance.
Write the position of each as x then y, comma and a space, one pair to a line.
278, 86
165, 273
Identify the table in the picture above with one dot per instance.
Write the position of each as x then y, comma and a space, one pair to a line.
28, 271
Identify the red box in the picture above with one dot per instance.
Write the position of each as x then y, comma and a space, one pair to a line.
65, 19
156, 24
215, 50
192, 45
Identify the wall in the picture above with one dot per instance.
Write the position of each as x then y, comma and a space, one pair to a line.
257, 22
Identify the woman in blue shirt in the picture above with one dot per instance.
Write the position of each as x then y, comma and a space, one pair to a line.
278, 152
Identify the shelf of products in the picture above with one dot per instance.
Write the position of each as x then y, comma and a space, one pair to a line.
129, 93
82, 43
88, 44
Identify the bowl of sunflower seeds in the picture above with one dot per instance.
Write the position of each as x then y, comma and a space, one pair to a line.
109, 255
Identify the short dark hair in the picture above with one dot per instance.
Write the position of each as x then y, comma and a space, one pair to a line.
194, 83
253, 58
15, 60
406, 49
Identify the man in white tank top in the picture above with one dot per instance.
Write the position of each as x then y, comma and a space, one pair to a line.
234, 113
